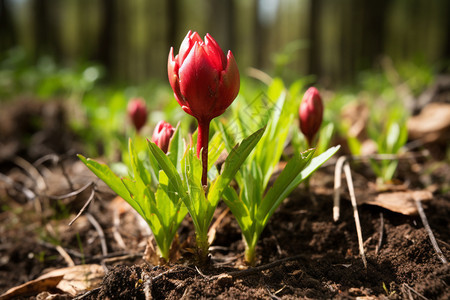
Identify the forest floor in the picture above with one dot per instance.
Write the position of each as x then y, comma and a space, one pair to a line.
302, 253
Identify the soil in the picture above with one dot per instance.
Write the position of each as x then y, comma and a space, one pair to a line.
302, 253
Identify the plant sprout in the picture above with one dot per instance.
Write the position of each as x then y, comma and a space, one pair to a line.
253, 204
149, 191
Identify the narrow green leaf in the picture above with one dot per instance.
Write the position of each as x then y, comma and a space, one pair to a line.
103, 172
276, 193
168, 167
135, 198
238, 209
232, 164
140, 172
196, 202
176, 148
287, 184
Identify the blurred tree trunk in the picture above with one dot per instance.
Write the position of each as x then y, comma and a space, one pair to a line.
7, 34
172, 13
104, 53
314, 36
221, 22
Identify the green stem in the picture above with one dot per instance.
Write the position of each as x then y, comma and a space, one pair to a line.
202, 247
250, 254
202, 143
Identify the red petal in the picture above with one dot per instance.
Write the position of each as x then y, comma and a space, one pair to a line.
229, 84
215, 53
199, 81
172, 71
187, 45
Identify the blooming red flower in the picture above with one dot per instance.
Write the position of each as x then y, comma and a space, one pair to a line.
205, 81
311, 114
137, 112
162, 134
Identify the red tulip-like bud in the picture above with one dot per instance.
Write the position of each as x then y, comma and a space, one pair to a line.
162, 134
137, 111
205, 81
311, 114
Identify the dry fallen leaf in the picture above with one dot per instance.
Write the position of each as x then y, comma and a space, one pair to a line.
78, 279
72, 280
401, 202
432, 124
32, 287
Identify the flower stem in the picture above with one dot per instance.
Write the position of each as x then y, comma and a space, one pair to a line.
202, 143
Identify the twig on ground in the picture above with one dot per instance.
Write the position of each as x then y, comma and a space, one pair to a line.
74, 193
91, 197
53, 157
272, 295
213, 229
100, 232
32, 172
255, 270
423, 216
337, 187
410, 289
70, 251
381, 233
87, 294
65, 174
147, 287
122, 257
443, 243
201, 273
116, 234
276, 241
341, 160
348, 176
29, 194
65, 255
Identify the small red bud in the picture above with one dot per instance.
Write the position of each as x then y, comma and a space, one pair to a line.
311, 114
162, 134
137, 112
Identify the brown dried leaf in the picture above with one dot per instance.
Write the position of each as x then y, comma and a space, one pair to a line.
78, 279
72, 280
432, 124
401, 202
32, 287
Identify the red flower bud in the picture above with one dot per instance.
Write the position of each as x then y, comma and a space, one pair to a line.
162, 134
311, 113
205, 81
137, 111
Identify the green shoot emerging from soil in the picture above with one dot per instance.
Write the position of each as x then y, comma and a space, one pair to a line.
150, 192
188, 186
253, 204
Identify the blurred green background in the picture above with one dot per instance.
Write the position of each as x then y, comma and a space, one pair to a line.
130, 40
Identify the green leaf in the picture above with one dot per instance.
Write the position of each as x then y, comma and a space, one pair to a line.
287, 182
176, 148
103, 172
278, 192
232, 164
140, 172
196, 203
326, 132
136, 198
166, 164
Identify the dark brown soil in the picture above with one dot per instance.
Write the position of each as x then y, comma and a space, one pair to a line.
301, 254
